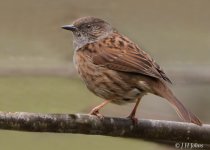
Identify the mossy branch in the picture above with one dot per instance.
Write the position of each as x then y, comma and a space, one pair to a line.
154, 130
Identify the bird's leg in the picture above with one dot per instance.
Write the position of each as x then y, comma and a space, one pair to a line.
132, 114
95, 110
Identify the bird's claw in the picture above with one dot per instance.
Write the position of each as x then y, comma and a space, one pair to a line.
96, 113
134, 119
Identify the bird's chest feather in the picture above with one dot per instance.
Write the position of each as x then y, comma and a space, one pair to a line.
84, 65
103, 82
87, 71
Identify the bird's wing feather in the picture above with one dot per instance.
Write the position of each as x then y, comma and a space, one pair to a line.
122, 57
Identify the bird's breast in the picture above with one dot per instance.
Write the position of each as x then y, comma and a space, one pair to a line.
105, 83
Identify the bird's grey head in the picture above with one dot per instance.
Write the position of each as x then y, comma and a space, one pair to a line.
87, 30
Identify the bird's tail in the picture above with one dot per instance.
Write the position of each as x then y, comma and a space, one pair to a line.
163, 91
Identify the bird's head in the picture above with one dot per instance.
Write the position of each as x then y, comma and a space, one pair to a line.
88, 29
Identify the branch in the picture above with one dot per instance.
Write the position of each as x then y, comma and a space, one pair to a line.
156, 130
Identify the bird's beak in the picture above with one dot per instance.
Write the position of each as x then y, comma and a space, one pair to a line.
69, 27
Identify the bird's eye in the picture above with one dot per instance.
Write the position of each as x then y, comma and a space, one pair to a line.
78, 34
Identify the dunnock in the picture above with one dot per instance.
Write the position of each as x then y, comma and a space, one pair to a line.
116, 69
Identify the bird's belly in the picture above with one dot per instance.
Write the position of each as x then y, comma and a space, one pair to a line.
107, 84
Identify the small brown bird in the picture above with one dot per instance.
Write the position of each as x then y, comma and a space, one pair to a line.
116, 69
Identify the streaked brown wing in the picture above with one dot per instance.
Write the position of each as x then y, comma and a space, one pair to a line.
121, 58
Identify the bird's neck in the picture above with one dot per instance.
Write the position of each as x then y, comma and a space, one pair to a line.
82, 42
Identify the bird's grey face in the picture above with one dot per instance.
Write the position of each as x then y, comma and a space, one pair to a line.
88, 29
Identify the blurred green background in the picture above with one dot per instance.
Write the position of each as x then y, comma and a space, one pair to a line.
36, 73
